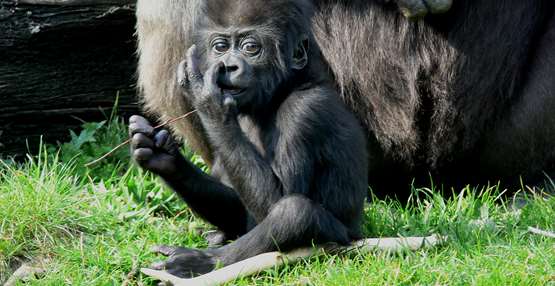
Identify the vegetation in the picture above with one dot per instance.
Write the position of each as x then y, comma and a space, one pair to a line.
95, 227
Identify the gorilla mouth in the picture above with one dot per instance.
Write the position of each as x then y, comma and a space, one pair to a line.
235, 91
232, 90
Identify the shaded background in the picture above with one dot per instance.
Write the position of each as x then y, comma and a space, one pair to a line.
62, 62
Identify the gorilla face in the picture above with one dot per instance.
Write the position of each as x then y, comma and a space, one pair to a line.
253, 65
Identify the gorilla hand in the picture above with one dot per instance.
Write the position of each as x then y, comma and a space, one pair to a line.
419, 8
155, 151
209, 99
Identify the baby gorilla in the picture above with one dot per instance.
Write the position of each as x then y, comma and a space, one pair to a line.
290, 163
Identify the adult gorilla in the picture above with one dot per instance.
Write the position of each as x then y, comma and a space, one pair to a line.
467, 96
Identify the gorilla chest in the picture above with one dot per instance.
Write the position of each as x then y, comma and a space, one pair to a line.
261, 137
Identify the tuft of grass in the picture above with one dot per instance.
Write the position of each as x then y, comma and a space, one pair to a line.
94, 140
88, 232
41, 203
95, 227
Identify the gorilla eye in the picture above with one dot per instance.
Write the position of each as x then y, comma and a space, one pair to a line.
220, 46
250, 47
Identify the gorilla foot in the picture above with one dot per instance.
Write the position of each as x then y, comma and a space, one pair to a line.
420, 8
185, 262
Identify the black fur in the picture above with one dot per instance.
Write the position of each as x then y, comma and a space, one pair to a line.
290, 163
467, 97
461, 95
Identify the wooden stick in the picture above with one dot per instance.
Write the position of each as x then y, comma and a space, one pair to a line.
268, 260
541, 232
169, 121
23, 274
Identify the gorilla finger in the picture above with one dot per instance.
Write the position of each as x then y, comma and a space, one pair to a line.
182, 74
138, 119
138, 127
229, 100
165, 250
211, 80
159, 265
230, 103
142, 155
161, 138
193, 72
139, 140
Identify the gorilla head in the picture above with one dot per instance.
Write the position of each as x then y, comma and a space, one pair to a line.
261, 44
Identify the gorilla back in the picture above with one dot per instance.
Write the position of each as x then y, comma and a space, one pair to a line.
466, 96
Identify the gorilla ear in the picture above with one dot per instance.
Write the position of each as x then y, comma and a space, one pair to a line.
300, 55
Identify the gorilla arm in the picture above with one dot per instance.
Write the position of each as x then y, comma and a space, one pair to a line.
206, 196
251, 175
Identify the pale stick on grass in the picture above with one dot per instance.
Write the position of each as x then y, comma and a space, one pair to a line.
269, 260
169, 121
541, 232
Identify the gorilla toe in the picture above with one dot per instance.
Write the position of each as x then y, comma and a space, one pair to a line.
185, 262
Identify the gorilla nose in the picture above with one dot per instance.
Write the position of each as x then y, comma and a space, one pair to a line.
231, 69
235, 72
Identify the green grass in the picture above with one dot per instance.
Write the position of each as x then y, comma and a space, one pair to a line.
95, 227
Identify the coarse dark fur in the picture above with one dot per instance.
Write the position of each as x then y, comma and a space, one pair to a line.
290, 164
467, 96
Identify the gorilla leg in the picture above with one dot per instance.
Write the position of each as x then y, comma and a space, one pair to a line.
216, 203
524, 139
293, 221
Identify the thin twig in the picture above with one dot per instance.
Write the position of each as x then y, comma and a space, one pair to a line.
541, 232
169, 121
